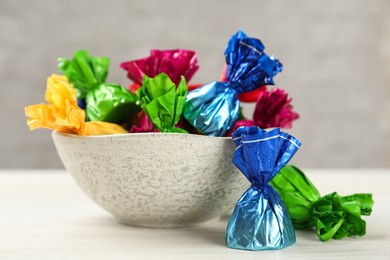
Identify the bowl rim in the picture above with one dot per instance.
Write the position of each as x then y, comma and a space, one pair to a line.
131, 135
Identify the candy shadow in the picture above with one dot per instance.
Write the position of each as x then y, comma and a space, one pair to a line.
210, 233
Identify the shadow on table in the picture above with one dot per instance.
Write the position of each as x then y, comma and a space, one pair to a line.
209, 233
213, 232
307, 235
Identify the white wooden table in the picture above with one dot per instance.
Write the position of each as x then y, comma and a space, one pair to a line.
44, 215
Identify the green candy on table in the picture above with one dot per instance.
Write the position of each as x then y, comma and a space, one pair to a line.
162, 101
84, 72
333, 216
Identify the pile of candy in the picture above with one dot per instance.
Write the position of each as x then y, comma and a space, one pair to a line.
280, 198
159, 99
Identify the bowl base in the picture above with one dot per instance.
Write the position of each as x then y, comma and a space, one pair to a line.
166, 225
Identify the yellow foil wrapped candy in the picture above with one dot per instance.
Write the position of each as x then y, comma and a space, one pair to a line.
63, 114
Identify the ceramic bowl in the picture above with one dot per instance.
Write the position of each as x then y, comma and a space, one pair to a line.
155, 179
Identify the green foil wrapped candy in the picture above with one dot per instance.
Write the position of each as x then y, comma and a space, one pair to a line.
337, 217
84, 72
111, 103
298, 193
104, 101
162, 101
333, 216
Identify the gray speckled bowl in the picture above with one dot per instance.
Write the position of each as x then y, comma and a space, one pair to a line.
155, 179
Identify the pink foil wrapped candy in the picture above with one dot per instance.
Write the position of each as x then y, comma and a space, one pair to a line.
273, 109
174, 63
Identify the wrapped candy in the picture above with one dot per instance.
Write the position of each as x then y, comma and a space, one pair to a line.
174, 63
260, 219
214, 108
63, 114
84, 72
333, 216
274, 109
111, 103
249, 97
162, 101
103, 101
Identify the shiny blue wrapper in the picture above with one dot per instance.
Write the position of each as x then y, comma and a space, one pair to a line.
260, 220
214, 108
248, 67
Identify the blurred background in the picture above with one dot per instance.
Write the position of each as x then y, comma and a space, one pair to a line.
336, 57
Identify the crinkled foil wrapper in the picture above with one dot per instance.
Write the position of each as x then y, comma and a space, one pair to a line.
260, 220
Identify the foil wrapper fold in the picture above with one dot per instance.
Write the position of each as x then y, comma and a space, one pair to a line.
163, 102
248, 68
260, 220
175, 63
84, 72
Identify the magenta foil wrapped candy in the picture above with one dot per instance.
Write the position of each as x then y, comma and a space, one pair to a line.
174, 63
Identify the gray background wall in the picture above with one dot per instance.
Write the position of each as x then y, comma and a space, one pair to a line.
336, 56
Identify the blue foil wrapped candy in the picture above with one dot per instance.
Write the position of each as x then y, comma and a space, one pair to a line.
214, 108
260, 220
